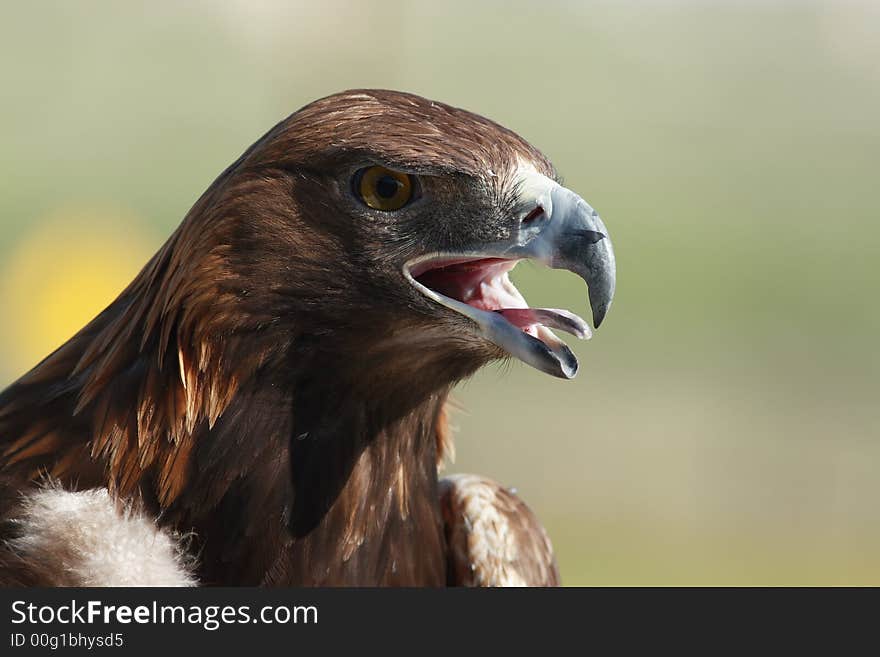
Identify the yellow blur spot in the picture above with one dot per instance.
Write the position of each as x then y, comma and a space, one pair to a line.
59, 277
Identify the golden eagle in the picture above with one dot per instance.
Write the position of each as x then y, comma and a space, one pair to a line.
265, 404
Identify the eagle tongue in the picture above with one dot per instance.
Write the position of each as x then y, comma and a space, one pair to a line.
563, 320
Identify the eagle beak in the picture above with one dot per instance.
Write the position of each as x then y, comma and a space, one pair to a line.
556, 227
564, 232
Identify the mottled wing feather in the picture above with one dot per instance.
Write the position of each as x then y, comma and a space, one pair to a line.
493, 538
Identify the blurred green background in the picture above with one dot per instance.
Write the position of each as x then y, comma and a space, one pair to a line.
724, 426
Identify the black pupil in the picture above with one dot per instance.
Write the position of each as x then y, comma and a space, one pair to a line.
387, 187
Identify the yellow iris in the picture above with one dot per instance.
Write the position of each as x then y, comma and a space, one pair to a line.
384, 189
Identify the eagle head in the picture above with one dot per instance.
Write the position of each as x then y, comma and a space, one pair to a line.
385, 227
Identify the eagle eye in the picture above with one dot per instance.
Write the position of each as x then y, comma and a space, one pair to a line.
383, 189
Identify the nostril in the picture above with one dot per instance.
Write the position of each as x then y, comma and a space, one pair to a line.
536, 214
590, 236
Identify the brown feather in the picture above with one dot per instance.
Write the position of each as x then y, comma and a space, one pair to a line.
493, 538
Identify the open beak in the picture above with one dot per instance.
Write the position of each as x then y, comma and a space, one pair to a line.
556, 227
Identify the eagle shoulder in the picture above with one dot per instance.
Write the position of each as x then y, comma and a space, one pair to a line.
493, 538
